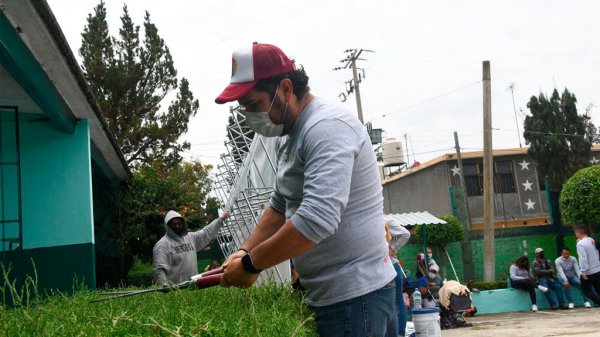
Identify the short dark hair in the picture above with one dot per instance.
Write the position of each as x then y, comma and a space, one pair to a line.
581, 228
567, 249
298, 78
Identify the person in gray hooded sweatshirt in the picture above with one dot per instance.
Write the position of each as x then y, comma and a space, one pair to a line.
174, 255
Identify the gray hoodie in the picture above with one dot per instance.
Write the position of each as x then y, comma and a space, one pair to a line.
174, 256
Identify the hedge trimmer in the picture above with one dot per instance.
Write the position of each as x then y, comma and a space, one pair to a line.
200, 281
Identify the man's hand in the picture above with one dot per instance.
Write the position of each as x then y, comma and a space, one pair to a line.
237, 255
584, 277
566, 284
225, 215
234, 273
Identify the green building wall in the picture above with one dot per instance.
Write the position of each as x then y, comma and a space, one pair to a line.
507, 249
57, 207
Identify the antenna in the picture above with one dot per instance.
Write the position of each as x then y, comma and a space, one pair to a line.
511, 87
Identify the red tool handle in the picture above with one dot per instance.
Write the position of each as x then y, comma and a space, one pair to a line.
212, 272
209, 281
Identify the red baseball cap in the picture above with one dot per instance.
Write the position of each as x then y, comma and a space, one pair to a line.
253, 63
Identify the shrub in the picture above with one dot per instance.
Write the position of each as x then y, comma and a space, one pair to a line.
580, 198
141, 273
488, 285
440, 235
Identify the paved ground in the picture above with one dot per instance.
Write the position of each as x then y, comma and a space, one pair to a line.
577, 322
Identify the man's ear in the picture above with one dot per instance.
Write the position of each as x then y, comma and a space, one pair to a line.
287, 88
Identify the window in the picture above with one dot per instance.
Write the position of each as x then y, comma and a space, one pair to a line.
505, 182
472, 180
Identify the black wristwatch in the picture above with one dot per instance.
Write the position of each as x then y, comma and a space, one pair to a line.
248, 264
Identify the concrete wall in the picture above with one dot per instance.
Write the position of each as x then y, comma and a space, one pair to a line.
425, 190
57, 206
511, 205
56, 185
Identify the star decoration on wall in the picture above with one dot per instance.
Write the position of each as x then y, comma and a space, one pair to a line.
530, 204
524, 165
527, 185
455, 170
594, 161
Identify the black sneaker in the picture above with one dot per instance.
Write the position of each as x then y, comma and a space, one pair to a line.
563, 307
554, 307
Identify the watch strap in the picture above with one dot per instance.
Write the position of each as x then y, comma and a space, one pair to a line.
248, 264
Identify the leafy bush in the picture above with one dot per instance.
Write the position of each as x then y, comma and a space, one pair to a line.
440, 235
488, 285
141, 273
580, 198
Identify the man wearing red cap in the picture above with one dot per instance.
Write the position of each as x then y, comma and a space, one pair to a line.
325, 210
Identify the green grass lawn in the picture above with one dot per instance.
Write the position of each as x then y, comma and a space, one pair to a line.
259, 311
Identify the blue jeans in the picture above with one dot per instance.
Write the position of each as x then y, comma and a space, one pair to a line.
400, 305
575, 282
373, 314
552, 284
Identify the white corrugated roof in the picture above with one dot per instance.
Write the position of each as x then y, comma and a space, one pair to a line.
412, 219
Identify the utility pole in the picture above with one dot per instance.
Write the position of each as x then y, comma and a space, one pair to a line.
489, 258
406, 150
350, 61
467, 252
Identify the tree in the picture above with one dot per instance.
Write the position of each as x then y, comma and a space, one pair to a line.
438, 236
559, 139
131, 78
142, 202
580, 198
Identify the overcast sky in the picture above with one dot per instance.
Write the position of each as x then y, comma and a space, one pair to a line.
424, 79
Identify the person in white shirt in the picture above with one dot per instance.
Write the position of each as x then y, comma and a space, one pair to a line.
589, 263
567, 269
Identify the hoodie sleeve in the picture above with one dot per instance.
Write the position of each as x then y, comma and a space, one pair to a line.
204, 236
162, 265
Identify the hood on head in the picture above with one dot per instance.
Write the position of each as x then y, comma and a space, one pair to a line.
170, 215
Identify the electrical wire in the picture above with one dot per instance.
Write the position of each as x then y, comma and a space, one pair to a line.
428, 100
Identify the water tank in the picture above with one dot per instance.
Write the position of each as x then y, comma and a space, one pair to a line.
392, 153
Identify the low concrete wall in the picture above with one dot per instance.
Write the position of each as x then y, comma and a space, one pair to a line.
508, 300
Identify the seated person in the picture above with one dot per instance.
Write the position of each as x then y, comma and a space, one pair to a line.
544, 272
520, 278
421, 263
569, 274
430, 294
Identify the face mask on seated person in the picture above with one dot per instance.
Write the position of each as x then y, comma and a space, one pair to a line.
432, 275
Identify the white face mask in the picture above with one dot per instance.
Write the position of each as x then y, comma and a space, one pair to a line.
431, 275
429, 255
262, 124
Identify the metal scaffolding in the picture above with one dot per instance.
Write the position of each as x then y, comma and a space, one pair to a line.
243, 183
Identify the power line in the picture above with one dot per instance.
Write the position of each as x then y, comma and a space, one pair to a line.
428, 100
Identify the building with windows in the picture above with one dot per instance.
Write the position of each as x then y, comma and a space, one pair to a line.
520, 197
57, 157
